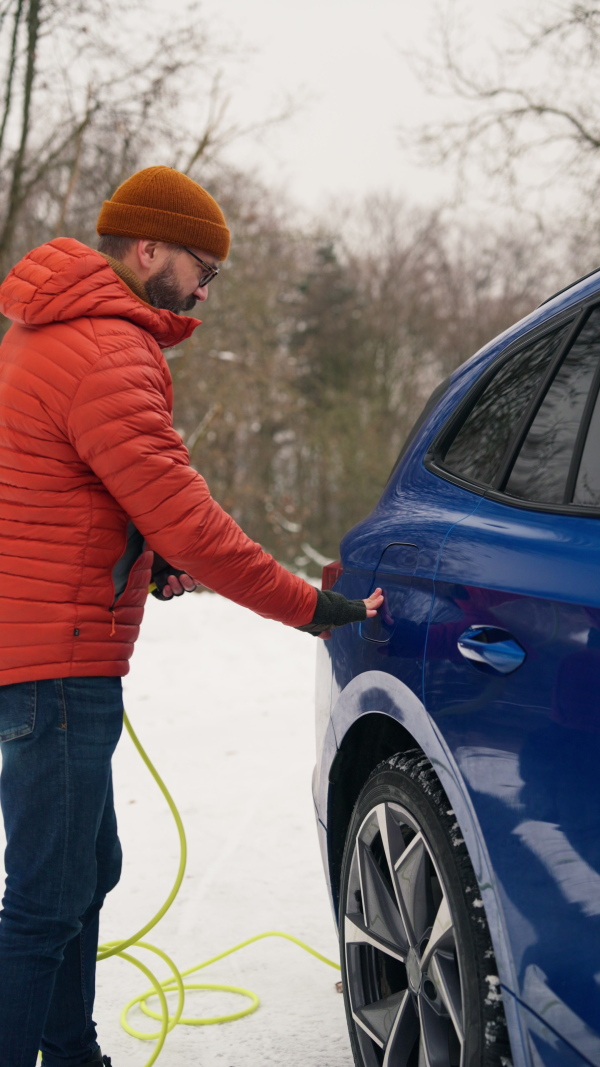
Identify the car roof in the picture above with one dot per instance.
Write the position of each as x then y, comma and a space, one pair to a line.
581, 290
566, 288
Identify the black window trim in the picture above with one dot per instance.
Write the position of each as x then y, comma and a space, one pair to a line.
433, 460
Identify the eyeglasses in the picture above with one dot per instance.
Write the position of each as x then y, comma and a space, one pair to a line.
209, 272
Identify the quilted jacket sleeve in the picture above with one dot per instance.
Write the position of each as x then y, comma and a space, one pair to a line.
120, 425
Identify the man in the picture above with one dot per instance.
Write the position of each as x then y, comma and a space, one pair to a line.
97, 494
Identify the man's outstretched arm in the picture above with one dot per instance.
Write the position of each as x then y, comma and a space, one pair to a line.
120, 425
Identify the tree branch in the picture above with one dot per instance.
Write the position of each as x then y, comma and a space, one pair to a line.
74, 170
14, 198
515, 111
217, 109
10, 74
54, 157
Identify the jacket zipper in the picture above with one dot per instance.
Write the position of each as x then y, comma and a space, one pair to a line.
115, 597
122, 594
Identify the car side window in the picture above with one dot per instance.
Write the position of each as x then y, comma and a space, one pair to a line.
480, 446
542, 466
587, 485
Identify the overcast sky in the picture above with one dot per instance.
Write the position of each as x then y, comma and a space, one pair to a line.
343, 59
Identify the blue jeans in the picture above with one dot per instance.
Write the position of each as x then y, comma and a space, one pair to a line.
62, 857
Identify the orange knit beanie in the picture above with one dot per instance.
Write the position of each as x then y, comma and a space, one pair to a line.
165, 204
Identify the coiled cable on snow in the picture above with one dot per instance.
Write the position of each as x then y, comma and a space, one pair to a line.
175, 982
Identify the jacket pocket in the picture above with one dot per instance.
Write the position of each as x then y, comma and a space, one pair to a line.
17, 710
121, 572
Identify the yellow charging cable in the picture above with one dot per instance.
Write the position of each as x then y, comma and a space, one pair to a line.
175, 982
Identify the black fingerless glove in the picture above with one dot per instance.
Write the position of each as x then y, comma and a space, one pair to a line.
160, 576
333, 610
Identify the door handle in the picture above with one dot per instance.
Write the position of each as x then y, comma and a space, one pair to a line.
490, 647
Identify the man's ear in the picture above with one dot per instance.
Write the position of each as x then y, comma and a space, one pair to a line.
147, 250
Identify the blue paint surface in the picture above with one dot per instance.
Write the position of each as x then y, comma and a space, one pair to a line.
518, 753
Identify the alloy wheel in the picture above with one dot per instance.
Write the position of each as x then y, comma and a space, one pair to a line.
403, 972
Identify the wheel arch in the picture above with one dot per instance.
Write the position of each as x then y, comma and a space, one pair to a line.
371, 739
401, 719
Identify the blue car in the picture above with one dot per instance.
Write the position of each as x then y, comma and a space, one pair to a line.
457, 786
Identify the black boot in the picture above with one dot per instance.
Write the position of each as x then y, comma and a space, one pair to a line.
97, 1060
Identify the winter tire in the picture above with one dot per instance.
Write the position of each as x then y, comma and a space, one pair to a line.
418, 969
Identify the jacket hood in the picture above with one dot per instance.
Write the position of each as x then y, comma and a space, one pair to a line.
64, 279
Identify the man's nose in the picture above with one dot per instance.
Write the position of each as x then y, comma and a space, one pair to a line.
201, 293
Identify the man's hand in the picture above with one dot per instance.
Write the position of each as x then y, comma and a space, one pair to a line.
175, 586
169, 581
372, 604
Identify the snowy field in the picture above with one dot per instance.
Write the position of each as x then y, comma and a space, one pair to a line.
223, 702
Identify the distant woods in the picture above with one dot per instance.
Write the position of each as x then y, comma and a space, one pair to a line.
321, 340
319, 349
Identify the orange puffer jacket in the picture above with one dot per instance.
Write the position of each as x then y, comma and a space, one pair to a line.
87, 447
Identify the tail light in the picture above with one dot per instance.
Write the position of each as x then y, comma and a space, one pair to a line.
331, 573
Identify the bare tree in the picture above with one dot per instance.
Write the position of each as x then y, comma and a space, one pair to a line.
89, 91
533, 101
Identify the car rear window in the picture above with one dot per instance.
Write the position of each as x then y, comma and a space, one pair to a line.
541, 470
587, 487
480, 446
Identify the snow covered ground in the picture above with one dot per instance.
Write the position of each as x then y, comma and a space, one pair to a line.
223, 702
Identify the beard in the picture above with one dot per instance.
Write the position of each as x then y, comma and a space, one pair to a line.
164, 291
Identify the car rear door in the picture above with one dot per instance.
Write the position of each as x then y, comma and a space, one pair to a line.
512, 673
